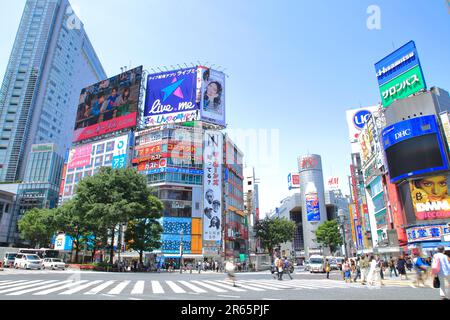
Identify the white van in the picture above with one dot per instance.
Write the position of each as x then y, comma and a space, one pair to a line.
316, 264
27, 261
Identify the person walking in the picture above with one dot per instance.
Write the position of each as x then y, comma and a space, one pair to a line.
382, 268
346, 269
375, 270
286, 267
392, 269
401, 267
352, 270
421, 269
279, 266
441, 268
230, 270
358, 269
364, 266
327, 268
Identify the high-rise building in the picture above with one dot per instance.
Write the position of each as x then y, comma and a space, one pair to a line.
51, 61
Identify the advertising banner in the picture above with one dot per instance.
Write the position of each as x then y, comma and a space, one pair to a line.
333, 183
212, 99
427, 233
212, 185
403, 86
430, 198
312, 207
293, 181
396, 208
108, 106
171, 97
80, 156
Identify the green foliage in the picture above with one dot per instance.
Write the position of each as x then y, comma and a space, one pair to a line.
329, 234
38, 226
273, 232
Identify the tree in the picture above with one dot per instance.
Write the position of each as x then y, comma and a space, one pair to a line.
113, 197
38, 226
329, 235
144, 234
273, 232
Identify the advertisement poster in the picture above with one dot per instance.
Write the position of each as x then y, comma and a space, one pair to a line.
108, 106
430, 198
312, 207
427, 233
333, 183
293, 181
212, 97
212, 186
171, 97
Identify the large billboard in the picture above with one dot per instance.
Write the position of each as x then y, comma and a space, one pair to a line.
356, 120
212, 96
171, 97
86, 160
413, 147
430, 198
212, 185
294, 180
108, 106
400, 74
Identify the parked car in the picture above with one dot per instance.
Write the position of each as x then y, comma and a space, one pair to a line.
53, 263
9, 259
316, 264
27, 261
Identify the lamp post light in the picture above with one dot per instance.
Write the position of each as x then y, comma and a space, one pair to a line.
181, 250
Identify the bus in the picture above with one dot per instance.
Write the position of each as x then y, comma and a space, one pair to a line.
42, 253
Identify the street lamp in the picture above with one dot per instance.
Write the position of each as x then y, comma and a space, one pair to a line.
181, 251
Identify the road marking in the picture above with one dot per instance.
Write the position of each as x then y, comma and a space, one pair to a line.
270, 299
175, 287
138, 288
68, 285
225, 296
99, 288
18, 293
286, 285
261, 285
156, 287
9, 282
119, 288
209, 286
81, 287
241, 285
134, 299
193, 287
226, 286
36, 283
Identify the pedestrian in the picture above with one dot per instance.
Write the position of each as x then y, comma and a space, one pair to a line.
287, 267
346, 269
327, 268
374, 272
199, 266
401, 267
392, 269
421, 269
364, 265
441, 268
352, 270
382, 268
230, 270
409, 264
279, 266
358, 269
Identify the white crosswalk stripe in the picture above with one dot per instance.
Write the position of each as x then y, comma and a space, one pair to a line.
100, 288
261, 285
245, 286
36, 283
119, 288
208, 286
7, 283
228, 286
80, 287
138, 288
192, 287
175, 287
18, 283
156, 287
68, 285
22, 292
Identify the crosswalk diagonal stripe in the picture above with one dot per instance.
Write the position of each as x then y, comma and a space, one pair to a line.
119, 288
273, 284
228, 286
175, 287
208, 286
29, 285
19, 293
3, 285
80, 287
262, 285
138, 288
67, 285
100, 287
192, 287
18, 284
240, 285
156, 287
287, 285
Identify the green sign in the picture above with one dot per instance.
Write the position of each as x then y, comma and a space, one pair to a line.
402, 86
242, 257
42, 147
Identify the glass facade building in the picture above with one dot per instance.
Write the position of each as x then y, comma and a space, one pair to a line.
52, 59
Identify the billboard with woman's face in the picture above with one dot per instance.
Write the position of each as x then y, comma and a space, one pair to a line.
430, 198
212, 98
108, 106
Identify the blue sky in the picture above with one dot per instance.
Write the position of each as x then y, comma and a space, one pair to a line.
294, 66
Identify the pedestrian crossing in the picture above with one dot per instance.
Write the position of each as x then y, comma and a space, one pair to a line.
135, 288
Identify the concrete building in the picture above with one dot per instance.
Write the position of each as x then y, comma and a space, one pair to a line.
8, 193
51, 61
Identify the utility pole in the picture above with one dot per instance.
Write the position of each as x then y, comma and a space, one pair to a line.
181, 250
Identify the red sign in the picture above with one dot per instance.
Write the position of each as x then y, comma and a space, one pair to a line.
296, 179
308, 163
149, 165
396, 209
80, 156
105, 127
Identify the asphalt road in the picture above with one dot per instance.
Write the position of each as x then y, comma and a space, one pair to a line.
76, 285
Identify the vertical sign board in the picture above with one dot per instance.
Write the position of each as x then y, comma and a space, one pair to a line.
212, 186
212, 96
400, 74
356, 120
